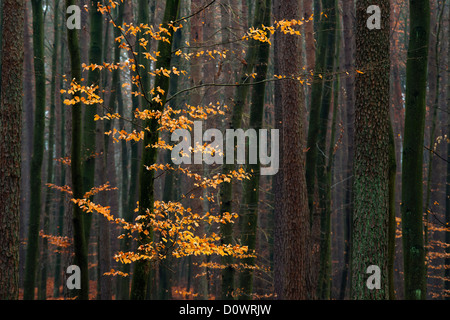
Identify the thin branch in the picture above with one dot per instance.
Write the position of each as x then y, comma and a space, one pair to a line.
223, 85
194, 14
437, 154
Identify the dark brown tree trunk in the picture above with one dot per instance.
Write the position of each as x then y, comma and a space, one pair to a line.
294, 258
10, 146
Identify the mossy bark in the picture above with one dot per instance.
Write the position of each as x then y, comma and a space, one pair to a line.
371, 161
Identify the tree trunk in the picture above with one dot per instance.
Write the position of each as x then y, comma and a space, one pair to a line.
250, 198
447, 185
226, 191
294, 260
309, 35
412, 209
277, 180
10, 146
323, 68
392, 215
323, 185
149, 155
89, 125
371, 166
42, 293
63, 168
38, 149
80, 245
348, 22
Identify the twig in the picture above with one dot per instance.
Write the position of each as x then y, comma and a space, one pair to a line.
197, 12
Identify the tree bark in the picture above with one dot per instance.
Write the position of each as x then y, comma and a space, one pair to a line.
10, 146
293, 265
371, 159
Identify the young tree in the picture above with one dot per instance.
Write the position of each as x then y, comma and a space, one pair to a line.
10, 145
149, 155
412, 166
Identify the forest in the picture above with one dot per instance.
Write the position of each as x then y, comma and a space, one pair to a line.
224, 150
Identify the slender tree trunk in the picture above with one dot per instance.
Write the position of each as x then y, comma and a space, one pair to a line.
142, 268
149, 155
277, 180
166, 266
348, 14
89, 125
61, 154
309, 35
434, 64
38, 149
249, 207
371, 166
392, 215
10, 145
103, 236
61, 206
27, 138
226, 192
323, 68
123, 283
412, 184
80, 245
42, 293
323, 185
447, 185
